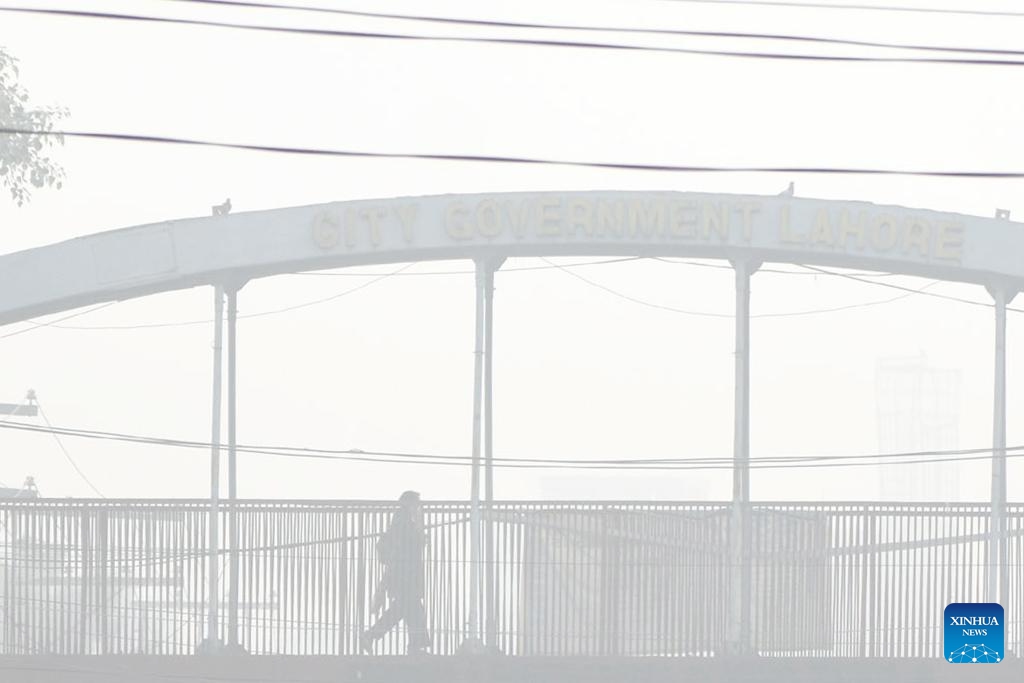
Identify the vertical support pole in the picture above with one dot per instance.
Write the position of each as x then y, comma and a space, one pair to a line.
473, 636
7, 519
874, 561
488, 383
488, 400
102, 563
213, 570
739, 547
997, 556
85, 562
232, 470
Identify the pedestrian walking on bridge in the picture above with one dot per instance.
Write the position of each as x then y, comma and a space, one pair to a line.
400, 550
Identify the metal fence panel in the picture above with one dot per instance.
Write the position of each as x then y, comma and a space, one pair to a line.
573, 578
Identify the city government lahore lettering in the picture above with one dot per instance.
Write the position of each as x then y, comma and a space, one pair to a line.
769, 224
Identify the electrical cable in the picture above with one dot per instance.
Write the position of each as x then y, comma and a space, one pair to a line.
782, 314
473, 272
778, 271
859, 7
641, 302
17, 409
425, 156
947, 297
848, 307
493, 23
550, 265
767, 462
857, 277
53, 323
333, 297
518, 42
64, 450
815, 270
186, 323
381, 276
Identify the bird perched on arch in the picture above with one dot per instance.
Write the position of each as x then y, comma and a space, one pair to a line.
222, 209
788, 192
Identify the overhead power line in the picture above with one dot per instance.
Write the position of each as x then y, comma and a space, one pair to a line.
54, 323
10, 416
467, 271
528, 42
67, 456
294, 307
772, 462
187, 323
859, 7
689, 33
649, 304
778, 271
782, 314
890, 285
476, 158
674, 262
549, 265
33, 400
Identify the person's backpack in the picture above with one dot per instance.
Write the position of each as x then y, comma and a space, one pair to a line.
388, 545
386, 548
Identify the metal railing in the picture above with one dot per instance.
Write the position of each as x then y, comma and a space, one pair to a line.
572, 578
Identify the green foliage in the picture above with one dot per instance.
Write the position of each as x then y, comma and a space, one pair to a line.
23, 162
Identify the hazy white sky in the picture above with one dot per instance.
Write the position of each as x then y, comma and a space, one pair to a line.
578, 372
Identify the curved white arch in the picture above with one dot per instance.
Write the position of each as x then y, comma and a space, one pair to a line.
184, 253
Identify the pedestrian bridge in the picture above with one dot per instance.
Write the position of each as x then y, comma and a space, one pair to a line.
228, 250
828, 581
679, 584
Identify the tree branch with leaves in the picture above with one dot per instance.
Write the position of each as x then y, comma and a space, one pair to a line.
24, 164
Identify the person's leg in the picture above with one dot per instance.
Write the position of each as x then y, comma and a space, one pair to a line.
392, 615
416, 622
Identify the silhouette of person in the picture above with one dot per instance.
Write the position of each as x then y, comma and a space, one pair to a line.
400, 550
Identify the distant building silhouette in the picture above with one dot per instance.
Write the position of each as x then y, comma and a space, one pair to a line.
28, 490
918, 411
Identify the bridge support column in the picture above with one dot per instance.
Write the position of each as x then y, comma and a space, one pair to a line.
483, 323
233, 556
490, 267
739, 636
472, 640
213, 574
997, 556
